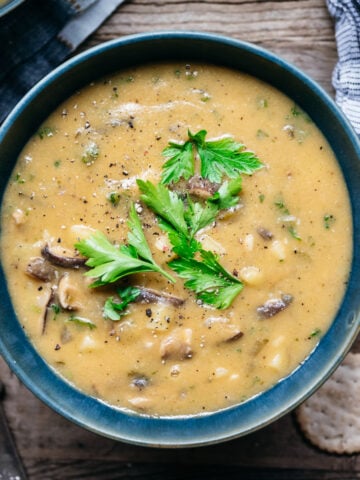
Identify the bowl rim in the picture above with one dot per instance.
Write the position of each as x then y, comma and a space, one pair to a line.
193, 430
9, 6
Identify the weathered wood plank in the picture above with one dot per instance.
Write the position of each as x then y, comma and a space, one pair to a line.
300, 31
111, 470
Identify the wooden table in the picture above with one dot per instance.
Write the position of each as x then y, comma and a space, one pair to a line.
53, 448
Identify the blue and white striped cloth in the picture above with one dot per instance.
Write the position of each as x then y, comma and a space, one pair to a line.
346, 75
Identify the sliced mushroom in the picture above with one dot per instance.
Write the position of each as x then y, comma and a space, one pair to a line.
48, 308
221, 330
265, 233
274, 305
40, 269
177, 345
234, 336
201, 187
68, 293
61, 260
139, 381
148, 295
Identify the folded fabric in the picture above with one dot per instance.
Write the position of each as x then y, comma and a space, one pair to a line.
346, 75
37, 36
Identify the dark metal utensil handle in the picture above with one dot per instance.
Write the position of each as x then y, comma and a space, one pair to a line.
11, 467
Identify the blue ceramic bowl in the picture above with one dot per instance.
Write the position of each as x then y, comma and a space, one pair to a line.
9, 6
259, 411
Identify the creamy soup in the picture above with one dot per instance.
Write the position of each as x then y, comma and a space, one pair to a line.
225, 238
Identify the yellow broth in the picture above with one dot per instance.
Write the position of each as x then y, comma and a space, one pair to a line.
91, 150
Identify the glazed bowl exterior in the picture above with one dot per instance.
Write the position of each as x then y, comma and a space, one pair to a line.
9, 6
238, 420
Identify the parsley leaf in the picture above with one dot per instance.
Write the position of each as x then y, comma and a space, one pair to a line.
180, 163
227, 195
110, 263
223, 156
115, 310
165, 203
198, 216
183, 219
217, 157
170, 209
208, 279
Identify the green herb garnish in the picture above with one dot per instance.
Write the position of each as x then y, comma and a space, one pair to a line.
19, 179
82, 321
114, 198
91, 153
315, 333
280, 205
170, 209
296, 111
109, 263
56, 309
217, 158
290, 224
208, 279
115, 310
180, 164
329, 220
262, 102
293, 232
46, 131
183, 219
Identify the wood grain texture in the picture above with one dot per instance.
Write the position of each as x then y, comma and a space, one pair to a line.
301, 31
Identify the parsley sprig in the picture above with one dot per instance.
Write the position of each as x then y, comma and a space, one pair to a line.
114, 309
183, 219
208, 279
110, 263
217, 158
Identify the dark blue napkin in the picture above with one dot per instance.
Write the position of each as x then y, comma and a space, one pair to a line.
33, 41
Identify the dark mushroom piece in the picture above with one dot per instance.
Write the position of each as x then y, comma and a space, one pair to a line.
177, 345
68, 293
62, 260
234, 337
265, 233
148, 295
221, 331
201, 187
40, 269
48, 308
139, 381
274, 306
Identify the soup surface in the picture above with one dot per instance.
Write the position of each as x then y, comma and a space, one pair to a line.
180, 330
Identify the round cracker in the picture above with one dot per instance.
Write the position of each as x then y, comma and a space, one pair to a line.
330, 418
